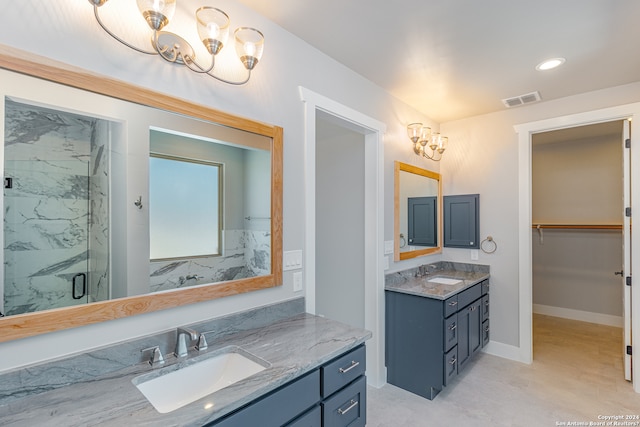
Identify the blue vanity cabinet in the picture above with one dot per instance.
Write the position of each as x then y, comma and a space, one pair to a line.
333, 395
429, 341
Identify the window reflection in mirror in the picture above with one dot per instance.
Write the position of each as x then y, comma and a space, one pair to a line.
184, 207
418, 207
216, 229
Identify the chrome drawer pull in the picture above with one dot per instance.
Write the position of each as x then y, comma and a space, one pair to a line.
353, 365
453, 361
453, 303
452, 327
352, 405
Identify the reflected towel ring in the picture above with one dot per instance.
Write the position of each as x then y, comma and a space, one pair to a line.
489, 240
403, 241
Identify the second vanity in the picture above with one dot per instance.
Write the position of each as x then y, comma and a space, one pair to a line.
437, 319
313, 376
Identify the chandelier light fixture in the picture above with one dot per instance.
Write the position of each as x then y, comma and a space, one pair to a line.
213, 31
426, 143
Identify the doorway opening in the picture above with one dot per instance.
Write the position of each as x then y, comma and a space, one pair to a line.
368, 241
578, 177
525, 133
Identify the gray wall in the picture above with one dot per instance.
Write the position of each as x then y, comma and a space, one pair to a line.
339, 224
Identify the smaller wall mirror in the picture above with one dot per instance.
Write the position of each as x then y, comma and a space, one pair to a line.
417, 212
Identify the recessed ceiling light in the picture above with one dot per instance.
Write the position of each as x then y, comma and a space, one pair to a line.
550, 63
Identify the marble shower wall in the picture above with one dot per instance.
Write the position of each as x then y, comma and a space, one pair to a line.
50, 234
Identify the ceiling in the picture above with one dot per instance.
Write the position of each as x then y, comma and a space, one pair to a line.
452, 59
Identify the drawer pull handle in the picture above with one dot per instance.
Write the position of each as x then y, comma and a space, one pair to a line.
353, 365
452, 327
453, 303
352, 405
486, 329
453, 361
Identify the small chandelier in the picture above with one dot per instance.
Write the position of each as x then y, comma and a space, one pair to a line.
213, 30
425, 143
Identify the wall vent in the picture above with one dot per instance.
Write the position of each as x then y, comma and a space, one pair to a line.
527, 98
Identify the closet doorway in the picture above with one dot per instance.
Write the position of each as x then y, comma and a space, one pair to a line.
580, 233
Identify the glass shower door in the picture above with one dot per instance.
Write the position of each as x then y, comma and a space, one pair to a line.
56, 208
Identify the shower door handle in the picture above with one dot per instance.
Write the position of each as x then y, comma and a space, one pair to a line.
78, 280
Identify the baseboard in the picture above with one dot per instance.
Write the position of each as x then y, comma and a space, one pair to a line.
506, 351
583, 316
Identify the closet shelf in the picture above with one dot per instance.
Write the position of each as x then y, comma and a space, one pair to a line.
580, 226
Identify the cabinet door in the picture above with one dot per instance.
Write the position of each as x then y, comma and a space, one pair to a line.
461, 222
469, 332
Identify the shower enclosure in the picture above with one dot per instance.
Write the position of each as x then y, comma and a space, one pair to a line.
56, 208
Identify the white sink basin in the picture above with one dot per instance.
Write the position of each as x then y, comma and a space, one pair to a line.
175, 386
444, 281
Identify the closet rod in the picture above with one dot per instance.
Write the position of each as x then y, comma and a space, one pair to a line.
580, 226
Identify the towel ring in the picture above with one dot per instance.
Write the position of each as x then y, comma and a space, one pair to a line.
489, 240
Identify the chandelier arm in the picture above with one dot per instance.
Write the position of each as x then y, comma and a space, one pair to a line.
432, 156
197, 68
104, 27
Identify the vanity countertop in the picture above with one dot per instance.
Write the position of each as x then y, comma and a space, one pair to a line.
406, 282
293, 346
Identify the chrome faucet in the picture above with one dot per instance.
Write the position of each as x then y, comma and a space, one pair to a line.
183, 341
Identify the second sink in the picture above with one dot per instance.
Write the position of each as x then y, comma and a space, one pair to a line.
444, 281
175, 386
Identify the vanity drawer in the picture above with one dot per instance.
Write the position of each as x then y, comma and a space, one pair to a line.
348, 407
313, 418
291, 400
485, 332
450, 365
485, 287
468, 296
485, 308
342, 371
450, 332
451, 306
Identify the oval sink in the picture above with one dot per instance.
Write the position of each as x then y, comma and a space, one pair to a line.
444, 281
175, 386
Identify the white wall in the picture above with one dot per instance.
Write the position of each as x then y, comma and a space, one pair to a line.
483, 158
340, 282
272, 96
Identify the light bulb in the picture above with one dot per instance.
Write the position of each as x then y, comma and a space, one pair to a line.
250, 48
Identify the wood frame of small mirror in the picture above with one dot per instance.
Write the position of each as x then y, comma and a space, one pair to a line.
398, 256
30, 324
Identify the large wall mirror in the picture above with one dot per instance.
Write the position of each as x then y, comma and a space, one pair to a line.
417, 211
120, 201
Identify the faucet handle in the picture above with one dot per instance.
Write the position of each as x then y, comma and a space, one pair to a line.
156, 355
202, 343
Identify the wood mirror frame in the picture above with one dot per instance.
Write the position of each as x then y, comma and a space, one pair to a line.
398, 256
30, 324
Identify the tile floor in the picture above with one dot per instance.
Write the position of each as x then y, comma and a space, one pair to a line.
576, 377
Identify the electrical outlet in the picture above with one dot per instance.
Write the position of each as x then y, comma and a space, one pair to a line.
297, 281
388, 247
386, 263
474, 254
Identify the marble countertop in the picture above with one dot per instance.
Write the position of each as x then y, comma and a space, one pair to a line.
292, 346
406, 282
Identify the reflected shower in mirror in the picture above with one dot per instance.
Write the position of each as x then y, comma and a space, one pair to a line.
56, 198
418, 205
78, 201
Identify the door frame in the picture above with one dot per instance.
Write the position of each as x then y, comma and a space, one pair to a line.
525, 132
373, 131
